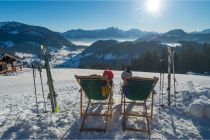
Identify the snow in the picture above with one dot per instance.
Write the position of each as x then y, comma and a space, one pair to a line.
14, 32
27, 58
18, 110
81, 42
64, 56
2, 24
22, 55
173, 45
35, 33
9, 44
88, 54
89, 41
99, 56
109, 56
76, 52
200, 110
33, 43
59, 57
73, 62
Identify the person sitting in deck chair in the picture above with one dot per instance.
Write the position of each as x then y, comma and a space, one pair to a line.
127, 73
109, 76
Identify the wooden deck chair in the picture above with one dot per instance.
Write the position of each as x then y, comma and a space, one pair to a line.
138, 90
91, 86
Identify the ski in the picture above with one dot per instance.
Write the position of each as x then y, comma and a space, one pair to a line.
34, 78
50, 80
40, 74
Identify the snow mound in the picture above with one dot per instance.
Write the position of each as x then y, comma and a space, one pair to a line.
200, 109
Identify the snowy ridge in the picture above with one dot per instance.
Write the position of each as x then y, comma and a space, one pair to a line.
18, 111
27, 58
14, 32
8, 44
62, 56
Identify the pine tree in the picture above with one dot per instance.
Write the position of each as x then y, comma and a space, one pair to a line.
206, 57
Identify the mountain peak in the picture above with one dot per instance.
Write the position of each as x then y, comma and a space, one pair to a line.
112, 28
11, 24
206, 31
176, 32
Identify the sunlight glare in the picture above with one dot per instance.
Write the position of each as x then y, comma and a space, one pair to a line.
153, 5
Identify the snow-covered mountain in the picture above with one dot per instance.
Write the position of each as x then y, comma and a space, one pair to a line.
177, 35
25, 40
18, 37
112, 52
109, 33
171, 36
206, 31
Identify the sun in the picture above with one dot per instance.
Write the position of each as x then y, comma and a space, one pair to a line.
153, 5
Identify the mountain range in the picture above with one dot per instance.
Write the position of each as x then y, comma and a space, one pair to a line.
110, 32
114, 53
18, 37
177, 35
22, 38
171, 36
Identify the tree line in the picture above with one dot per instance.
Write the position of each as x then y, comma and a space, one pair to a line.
190, 57
186, 59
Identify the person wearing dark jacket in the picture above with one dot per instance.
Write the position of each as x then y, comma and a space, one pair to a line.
125, 75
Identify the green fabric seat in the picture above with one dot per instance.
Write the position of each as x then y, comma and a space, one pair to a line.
139, 89
93, 88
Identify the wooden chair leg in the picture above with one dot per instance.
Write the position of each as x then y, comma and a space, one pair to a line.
111, 105
152, 104
84, 117
81, 109
124, 113
148, 128
121, 106
108, 111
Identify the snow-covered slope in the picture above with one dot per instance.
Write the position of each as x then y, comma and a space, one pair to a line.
18, 111
23, 38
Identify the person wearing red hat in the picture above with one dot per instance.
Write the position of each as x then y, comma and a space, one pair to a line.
109, 75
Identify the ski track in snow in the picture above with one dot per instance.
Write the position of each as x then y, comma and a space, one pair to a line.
18, 109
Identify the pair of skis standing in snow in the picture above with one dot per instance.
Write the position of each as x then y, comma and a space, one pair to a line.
52, 93
171, 63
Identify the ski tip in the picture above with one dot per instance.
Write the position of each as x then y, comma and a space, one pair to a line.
42, 47
56, 109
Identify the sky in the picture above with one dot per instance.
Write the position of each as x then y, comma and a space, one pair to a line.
190, 15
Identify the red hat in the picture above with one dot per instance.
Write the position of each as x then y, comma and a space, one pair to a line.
108, 74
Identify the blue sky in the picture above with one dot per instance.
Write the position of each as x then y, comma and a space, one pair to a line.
190, 15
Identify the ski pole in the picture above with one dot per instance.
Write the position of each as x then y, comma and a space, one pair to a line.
162, 80
169, 75
37, 110
162, 89
40, 74
174, 76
